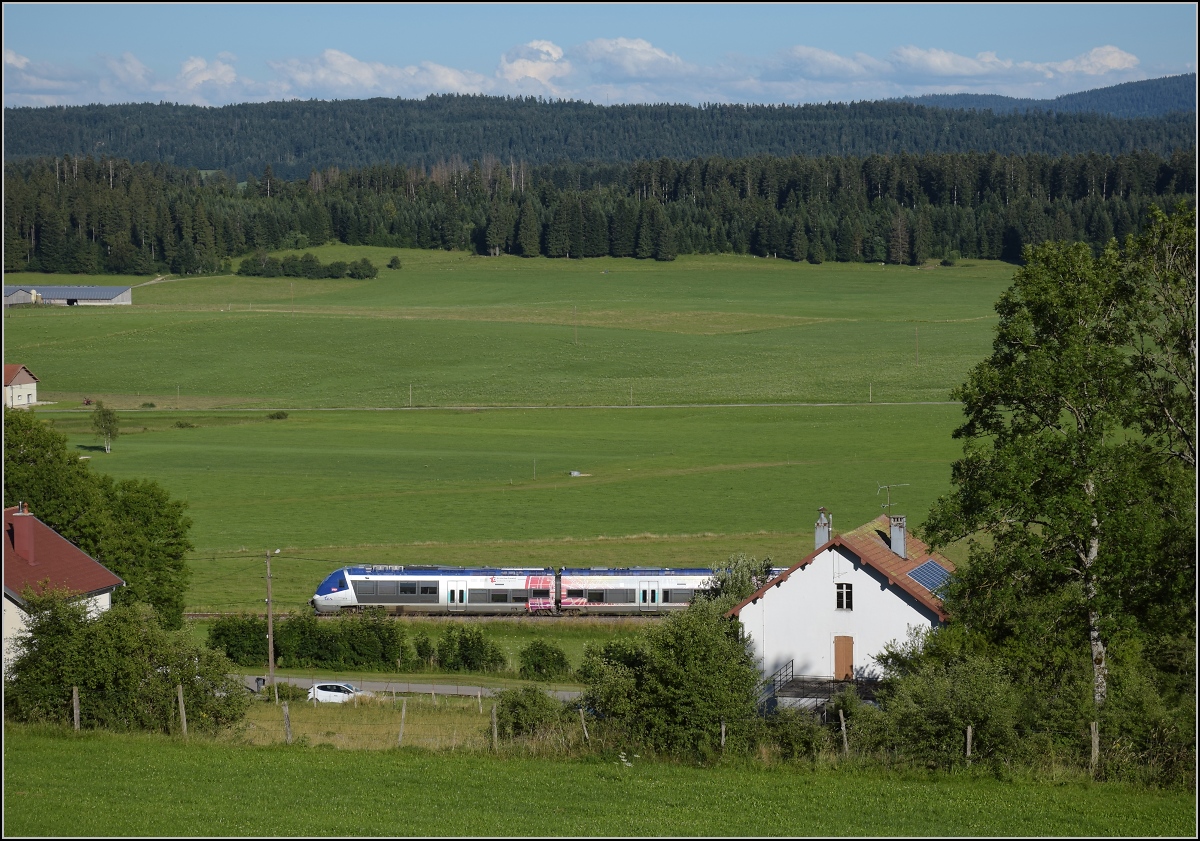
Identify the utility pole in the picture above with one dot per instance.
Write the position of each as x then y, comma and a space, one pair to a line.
271, 631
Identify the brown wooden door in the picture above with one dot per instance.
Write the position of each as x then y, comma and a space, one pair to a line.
843, 658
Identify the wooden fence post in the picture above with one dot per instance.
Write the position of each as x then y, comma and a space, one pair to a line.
969, 734
287, 724
403, 713
495, 732
583, 721
182, 711
75, 705
722, 734
433, 695
1095, 747
845, 741
479, 698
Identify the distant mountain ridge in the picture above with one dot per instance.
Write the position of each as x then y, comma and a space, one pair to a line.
1130, 100
296, 137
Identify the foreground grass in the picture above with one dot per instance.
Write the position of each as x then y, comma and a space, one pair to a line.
98, 784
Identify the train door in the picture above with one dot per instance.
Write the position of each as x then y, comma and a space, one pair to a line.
456, 595
648, 596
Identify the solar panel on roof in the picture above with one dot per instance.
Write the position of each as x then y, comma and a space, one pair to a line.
931, 575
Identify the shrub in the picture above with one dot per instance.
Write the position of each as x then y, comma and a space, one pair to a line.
125, 664
287, 692
798, 733
147, 405
525, 711
243, 639
466, 649
425, 650
182, 424
395, 263
543, 661
280, 415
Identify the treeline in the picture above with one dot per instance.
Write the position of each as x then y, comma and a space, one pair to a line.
296, 137
1148, 98
89, 215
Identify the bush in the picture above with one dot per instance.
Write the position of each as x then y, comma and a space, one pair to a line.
243, 639
287, 692
182, 424
395, 263
126, 666
425, 650
280, 415
147, 405
543, 661
466, 649
798, 733
525, 711
671, 687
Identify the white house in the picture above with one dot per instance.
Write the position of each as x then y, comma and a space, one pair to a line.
829, 615
20, 386
36, 556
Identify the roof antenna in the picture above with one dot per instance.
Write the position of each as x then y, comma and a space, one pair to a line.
888, 488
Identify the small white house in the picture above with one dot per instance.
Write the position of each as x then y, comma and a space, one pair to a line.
829, 615
36, 557
20, 387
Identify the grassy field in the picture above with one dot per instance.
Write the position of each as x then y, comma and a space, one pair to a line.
677, 487
681, 486
96, 784
467, 331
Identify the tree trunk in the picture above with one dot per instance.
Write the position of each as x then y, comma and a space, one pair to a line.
1099, 659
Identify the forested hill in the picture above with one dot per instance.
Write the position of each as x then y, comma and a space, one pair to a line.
1149, 98
297, 137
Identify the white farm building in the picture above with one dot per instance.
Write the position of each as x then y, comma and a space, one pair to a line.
826, 618
20, 387
69, 296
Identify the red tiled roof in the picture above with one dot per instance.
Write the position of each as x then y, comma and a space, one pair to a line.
11, 371
872, 544
55, 559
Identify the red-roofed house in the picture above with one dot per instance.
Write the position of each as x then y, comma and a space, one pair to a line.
35, 556
830, 614
20, 386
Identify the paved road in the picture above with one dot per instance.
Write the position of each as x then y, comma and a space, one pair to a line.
404, 687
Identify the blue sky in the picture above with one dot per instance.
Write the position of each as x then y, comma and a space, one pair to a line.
215, 54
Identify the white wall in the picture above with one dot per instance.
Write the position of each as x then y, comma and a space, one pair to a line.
798, 619
14, 619
24, 394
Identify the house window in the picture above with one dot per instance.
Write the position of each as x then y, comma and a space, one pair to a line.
845, 597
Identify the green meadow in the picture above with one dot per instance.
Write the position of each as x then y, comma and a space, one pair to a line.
640, 376
97, 784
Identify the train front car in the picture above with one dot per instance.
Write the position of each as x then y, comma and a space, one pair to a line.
647, 590
334, 593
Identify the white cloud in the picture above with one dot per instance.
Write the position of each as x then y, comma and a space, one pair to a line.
538, 61
1096, 62
340, 74
632, 58
18, 61
813, 62
936, 62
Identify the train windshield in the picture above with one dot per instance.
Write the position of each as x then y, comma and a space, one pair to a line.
334, 583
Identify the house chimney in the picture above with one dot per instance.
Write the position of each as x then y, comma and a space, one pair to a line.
898, 535
22, 524
823, 528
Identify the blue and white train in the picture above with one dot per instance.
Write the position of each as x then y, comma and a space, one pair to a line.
529, 591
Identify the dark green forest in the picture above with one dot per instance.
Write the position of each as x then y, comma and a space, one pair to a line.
1149, 98
97, 215
296, 137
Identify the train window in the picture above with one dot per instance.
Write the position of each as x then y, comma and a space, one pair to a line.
452, 597
595, 597
643, 596
521, 596
677, 596
386, 588
408, 588
619, 596
666, 595
499, 597
429, 589
539, 594
574, 594
653, 596
477, 596
364, 588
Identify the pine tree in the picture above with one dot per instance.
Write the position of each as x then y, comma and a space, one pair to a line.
529, 230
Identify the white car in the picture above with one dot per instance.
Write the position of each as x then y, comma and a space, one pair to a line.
336, 693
